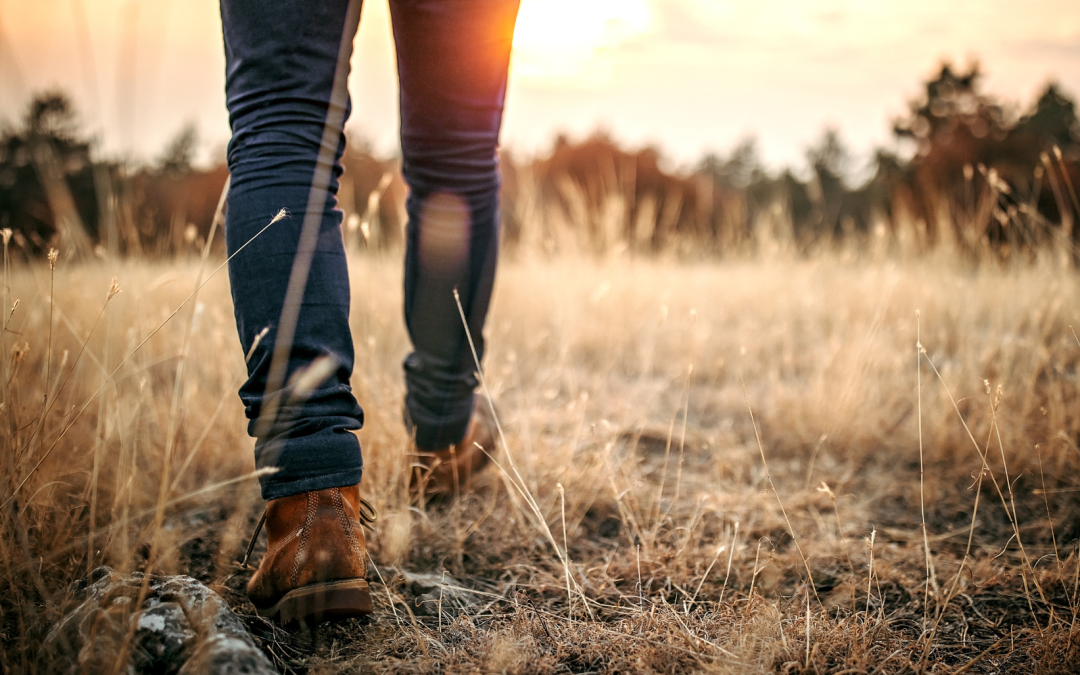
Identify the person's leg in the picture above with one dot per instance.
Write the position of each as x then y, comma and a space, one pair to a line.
283, 58
452, 64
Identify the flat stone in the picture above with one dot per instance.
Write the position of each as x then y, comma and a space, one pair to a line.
435, 591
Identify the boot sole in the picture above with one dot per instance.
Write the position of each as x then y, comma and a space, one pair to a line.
315, 603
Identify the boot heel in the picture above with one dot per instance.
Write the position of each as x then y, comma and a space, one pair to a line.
313, 603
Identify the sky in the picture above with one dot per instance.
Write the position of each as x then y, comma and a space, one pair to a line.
686, 76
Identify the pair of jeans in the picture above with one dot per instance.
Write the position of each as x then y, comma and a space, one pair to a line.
287, 62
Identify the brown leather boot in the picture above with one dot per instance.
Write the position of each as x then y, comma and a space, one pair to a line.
447, 472
316, 558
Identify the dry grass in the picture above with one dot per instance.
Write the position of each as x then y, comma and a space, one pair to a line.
625, 386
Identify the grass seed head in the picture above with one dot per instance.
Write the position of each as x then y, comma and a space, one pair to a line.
308, 380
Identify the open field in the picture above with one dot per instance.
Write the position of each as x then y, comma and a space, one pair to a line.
642, 520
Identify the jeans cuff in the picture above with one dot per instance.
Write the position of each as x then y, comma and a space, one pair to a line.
437, 437
272, 489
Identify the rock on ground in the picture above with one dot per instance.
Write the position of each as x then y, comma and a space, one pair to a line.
181, 627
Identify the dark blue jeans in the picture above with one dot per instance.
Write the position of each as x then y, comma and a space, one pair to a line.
286, 65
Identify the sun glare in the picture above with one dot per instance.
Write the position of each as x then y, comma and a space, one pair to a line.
563, 38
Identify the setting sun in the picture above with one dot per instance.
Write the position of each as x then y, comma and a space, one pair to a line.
558, 38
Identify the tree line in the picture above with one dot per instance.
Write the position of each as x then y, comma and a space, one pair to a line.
972, 174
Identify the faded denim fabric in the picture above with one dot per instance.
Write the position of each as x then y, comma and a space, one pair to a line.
281, 57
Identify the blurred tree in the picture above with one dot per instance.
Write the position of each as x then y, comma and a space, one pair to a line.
51, 115
829, 160
54, 194
180, 152
952, 110
46, 177
613, 197
972, 168
738, 169
1053, 120
830, 156
731, 197
889, 185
